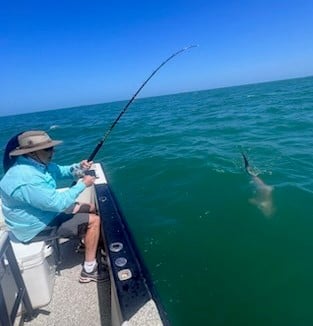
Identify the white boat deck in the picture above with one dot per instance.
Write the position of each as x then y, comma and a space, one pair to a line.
74, 303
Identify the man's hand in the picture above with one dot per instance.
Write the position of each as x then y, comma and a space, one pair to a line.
85, 165
89, 180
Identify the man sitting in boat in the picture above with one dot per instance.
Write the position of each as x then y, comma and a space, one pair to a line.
31, 202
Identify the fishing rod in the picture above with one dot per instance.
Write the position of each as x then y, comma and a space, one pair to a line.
106, 135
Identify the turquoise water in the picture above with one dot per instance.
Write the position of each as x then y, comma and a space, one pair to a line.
221, 250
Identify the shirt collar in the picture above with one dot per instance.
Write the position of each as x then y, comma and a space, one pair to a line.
30, 161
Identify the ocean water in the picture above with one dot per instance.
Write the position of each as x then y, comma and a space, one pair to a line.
223, 248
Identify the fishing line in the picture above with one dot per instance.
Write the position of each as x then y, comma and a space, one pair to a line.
106, 135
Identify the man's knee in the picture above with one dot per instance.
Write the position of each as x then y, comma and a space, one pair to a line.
94, 220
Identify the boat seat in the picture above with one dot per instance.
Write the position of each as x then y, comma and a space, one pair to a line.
38, 261
49, 236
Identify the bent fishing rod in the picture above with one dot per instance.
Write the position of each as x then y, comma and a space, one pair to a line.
106, 135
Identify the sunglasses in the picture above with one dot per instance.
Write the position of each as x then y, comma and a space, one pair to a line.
49, 149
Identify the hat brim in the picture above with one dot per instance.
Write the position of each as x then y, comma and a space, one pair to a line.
22, 151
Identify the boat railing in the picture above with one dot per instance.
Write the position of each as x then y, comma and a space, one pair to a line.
13, 291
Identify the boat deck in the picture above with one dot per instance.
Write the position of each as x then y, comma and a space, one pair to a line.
74, 303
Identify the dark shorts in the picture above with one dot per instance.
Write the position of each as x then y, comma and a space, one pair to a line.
72, 225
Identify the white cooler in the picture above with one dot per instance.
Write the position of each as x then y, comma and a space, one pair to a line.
37, 265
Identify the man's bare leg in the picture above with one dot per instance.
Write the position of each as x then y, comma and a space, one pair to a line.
92, 237
90, 272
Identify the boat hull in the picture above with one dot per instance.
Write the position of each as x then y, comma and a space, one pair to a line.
133, 296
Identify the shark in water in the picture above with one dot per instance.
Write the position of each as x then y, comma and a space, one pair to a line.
263, 193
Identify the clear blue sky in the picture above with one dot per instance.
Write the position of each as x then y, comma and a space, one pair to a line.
56, 54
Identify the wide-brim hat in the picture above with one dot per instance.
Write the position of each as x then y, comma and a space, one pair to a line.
32, 141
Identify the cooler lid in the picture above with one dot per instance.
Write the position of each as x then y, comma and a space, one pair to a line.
29, 254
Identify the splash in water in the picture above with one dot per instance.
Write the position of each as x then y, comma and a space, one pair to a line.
54, 127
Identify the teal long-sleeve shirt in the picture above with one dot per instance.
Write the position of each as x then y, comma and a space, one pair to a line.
30, 200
